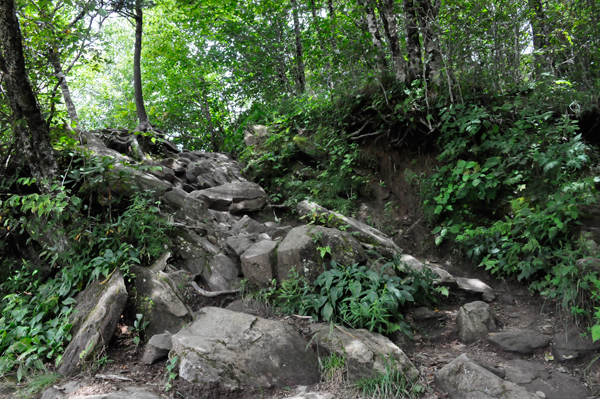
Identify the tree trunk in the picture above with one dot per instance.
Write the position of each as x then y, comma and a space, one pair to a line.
64, 86
388, 18
428, 13
299, 51
30, 128
375, 35
413, 42
143, 123
333, 23
540, 34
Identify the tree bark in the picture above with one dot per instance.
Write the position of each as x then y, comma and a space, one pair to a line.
30, 128
301, 77
413, 42
428, 12
388, 18
375, 34
540, 34
143, 123
64, 86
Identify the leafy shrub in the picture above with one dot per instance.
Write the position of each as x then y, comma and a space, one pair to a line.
34, 322
512, 179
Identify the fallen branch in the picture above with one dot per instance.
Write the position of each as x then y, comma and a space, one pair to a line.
211, 294
113, 377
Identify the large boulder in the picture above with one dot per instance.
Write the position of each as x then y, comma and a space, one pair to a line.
186, 208
159, 301
476, 286
258, 262
211, 171
364, 233
475, 321
300, 250
94, 321
464, 379
234, 197
236, 350
365, 353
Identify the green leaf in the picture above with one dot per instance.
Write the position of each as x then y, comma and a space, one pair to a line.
596, 332
327, 312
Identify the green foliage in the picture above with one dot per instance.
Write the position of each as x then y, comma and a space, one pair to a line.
139, 325
392, 383
35, 310
35, 384
513, 179
333, 367
362, 298
171, 372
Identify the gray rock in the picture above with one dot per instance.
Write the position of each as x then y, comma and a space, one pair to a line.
158, 348
499, 371
63, 391
186, 208
247, 225
157, 299
424, 314
224, 273
464, 379
125, 393
365, 352
571, 345
535, 378
589, 264
473, 285
475, 320
365, 233
160, 263
255, 135
312, 395
519, 341
95, 320
195, 252
299, 251
235, 350
441, 276
258, 262
240, 244
234, 197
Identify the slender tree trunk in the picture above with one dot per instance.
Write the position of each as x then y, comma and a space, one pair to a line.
143, 123
540, 34
299, 50
30, 128
333, 22
375, 35
413, 42
388, 18
64, 86
428, 12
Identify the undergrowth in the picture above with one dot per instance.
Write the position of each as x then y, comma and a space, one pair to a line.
86, 235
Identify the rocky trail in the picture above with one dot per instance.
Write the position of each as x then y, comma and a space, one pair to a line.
488, 339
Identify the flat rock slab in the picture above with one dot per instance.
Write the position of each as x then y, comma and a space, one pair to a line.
366, 352
464, 379
158, 348
236, 350
233, 197
365, 233
441, 276
519, 341
570, 345
536, 378
474, 285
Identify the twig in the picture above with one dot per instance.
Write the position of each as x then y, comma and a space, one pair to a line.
344, 331
302, 317
368, 134
212, 294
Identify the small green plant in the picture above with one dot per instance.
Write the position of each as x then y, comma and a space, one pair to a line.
103, 361
139, 325
171, 372
361, 297
389, 384
324, 251
333, 367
